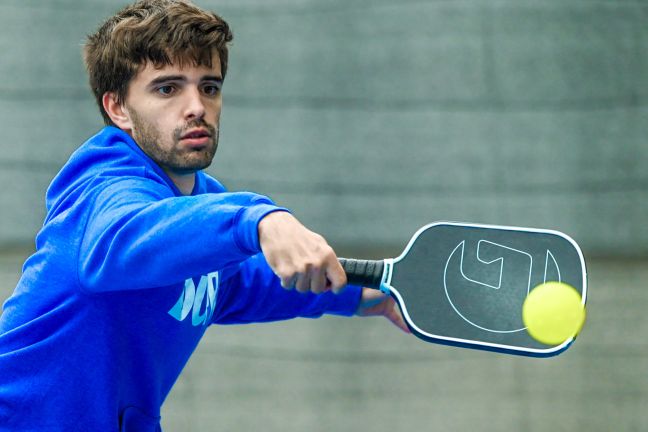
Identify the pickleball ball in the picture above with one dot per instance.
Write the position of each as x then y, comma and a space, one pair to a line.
553, 312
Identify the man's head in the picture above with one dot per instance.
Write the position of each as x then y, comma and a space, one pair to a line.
156, 68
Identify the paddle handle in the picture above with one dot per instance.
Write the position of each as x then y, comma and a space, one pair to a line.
367, 273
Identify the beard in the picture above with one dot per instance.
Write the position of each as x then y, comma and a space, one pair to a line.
174, 158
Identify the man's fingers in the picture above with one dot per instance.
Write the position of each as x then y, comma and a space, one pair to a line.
314, 281
318, 281
302, 282
288, 282
336, 276
396, 317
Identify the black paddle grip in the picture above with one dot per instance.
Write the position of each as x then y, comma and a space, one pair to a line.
367, 273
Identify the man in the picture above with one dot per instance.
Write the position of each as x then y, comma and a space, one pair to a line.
141, 251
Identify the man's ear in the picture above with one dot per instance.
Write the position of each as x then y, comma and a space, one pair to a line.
117, 112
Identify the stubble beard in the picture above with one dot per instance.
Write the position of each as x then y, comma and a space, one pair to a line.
176, 159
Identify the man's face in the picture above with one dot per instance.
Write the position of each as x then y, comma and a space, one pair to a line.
174, 115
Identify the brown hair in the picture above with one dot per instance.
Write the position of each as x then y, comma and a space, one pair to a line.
162, 32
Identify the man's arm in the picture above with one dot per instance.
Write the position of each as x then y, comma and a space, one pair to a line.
251, 292
138, 236
136, 228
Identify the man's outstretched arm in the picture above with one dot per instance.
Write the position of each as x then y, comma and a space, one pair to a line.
303, 260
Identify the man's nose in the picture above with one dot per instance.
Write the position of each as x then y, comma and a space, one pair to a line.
195, 106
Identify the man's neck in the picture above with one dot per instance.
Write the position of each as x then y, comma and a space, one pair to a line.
184, 182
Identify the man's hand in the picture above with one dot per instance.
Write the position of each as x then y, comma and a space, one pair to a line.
301, 258
375, 303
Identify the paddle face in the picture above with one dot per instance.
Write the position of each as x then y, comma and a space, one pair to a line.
464, 285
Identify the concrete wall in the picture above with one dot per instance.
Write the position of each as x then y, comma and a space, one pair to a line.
371, 118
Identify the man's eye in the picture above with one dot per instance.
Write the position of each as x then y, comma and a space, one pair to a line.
211, 90
166, 90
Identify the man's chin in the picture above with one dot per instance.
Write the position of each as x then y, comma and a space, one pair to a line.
193, 164
196, 144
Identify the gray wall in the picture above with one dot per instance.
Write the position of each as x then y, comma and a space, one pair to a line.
370, 118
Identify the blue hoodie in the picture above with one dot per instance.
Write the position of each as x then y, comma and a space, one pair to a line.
126, 277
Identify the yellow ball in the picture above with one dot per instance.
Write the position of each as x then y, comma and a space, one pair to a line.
553, 312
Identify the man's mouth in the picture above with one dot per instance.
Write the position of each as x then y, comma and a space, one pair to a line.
196, 137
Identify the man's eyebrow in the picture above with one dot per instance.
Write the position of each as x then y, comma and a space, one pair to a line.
216, 78
166, 78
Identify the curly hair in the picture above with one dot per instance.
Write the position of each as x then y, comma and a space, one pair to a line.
160, 32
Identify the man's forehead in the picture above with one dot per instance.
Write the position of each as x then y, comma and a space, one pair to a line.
150, 71
188, 68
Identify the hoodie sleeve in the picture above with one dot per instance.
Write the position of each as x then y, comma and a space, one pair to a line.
251, 292
135, 227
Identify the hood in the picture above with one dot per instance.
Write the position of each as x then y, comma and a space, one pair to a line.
109, 153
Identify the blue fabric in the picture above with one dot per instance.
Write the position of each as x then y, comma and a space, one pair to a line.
126, 277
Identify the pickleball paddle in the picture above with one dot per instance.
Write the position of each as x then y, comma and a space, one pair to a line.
464, 284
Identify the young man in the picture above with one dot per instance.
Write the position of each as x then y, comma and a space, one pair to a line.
141, 251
